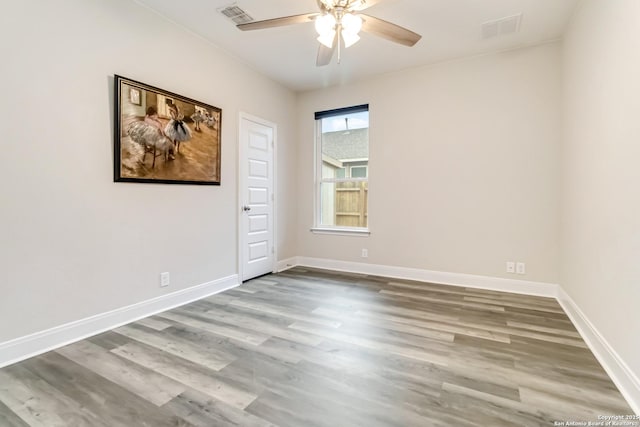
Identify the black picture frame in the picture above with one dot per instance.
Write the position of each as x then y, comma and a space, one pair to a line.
163, 137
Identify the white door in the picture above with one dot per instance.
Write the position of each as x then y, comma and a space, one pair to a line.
257, 252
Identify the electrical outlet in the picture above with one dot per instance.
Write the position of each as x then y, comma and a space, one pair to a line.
520, 268
511, 267
365, 253
165, 279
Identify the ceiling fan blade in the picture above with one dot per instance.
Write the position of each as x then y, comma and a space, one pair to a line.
278, 22
389, 31
359, 5
322, 6
326, 53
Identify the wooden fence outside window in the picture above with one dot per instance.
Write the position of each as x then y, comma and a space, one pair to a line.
351, 201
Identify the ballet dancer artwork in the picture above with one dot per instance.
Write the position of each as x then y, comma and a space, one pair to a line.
163, 137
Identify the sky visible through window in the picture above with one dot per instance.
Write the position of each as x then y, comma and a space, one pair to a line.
338, 123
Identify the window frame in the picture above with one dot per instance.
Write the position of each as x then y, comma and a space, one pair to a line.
319, 180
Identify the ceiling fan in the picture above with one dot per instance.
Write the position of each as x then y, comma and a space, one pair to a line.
338, 22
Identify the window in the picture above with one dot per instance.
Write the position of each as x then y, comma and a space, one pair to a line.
358, 171
342, 169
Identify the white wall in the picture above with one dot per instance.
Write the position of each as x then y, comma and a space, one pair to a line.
463, 166
601, 173
72, 242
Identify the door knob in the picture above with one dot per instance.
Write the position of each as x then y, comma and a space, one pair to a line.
246, 208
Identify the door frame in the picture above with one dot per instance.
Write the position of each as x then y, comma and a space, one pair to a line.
242, 151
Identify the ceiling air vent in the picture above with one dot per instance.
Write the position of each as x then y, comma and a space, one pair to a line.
502, 26
237, 15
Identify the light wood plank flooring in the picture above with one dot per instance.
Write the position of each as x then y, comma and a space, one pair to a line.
312, 348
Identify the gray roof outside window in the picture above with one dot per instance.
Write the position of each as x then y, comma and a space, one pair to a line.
346, 145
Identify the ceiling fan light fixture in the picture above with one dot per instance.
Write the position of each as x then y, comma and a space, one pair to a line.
325, 24
349, 39
328, 38
351, 23
351, 26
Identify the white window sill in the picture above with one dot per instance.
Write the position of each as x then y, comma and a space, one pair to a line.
363, 232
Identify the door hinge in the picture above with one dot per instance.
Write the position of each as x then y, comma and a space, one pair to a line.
273, 198
273, 250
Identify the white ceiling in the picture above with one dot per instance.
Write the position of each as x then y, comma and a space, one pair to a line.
450, 29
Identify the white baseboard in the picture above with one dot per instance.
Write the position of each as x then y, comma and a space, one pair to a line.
622, 376
32, 345
456, 279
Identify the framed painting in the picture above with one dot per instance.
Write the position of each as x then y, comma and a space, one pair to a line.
163, 137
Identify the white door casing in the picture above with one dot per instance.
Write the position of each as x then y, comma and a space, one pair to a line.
257, 243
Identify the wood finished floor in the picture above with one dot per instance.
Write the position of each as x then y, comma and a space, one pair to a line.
316, 348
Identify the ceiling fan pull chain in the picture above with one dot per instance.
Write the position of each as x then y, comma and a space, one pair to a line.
339, 43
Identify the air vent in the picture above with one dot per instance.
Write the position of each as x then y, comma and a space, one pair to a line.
502, 26
234, 13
